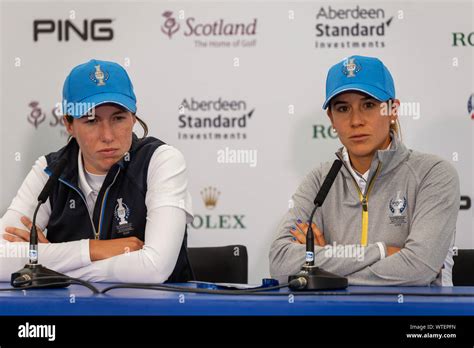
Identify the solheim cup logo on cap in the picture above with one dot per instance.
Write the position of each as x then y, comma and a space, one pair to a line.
397, 207
354, 27
350, 67
98, 76
218, 33
214, 221
218, 119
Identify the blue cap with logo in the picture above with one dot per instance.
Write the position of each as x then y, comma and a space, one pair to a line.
94, 83
359, 73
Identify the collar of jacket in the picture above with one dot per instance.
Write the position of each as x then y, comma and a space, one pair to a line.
390, 159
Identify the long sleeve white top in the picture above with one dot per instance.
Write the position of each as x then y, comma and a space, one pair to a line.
169, 208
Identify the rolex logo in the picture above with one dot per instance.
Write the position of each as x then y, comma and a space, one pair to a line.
212, 221
210, 195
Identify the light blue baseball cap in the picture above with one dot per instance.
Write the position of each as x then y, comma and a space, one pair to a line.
94, 83
359, 73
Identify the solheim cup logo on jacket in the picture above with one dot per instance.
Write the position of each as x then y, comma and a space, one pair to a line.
397, 207
121, 214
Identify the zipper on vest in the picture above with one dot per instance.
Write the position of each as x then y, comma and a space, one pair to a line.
83, 198
364, 200
103, 204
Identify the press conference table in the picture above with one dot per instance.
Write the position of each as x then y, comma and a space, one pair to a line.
78, 300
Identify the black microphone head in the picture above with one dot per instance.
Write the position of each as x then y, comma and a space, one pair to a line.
56, 172
328, 181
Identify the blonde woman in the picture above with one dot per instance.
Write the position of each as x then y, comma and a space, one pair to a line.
390, 216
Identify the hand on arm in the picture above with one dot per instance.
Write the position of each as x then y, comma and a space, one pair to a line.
301, 230
15, 234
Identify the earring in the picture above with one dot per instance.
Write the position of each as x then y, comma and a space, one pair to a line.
392, 121
334, 130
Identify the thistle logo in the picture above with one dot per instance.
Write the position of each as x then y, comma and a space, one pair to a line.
36, 116
210, 196
170, 27
350, 67
470, 106
98, 76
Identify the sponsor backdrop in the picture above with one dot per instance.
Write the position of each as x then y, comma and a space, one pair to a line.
238, 88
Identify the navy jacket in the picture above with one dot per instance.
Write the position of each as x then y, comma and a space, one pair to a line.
120, 209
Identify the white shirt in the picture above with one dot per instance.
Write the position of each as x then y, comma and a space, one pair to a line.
89, 184
169, 208
361, 179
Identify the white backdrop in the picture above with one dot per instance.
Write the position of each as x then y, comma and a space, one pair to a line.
265, 57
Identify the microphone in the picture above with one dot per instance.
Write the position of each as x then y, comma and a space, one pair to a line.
57, 170
311, 277
318, 201
42, 198
30, 275
326, 186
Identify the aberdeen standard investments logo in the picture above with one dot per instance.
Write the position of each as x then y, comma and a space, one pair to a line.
213, 221
217, 119
218, 33
351, 27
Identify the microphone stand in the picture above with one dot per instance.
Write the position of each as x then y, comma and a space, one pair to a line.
311, 277
30, 275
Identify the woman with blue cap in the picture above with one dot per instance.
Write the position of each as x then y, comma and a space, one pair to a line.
120, 208
390, 216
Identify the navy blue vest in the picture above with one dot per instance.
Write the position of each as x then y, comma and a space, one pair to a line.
120, 209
